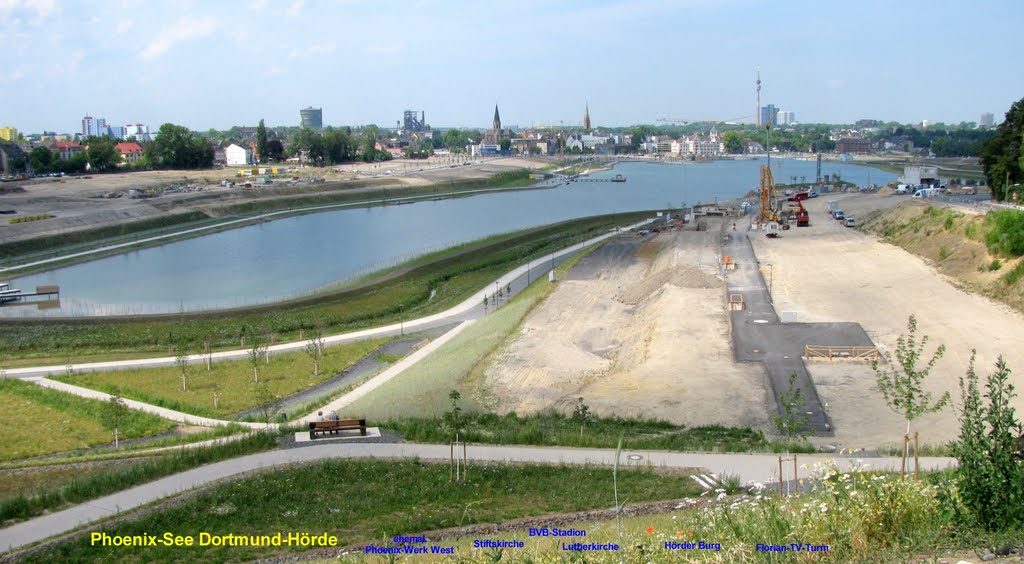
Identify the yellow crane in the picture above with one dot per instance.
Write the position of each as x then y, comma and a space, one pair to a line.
768, 194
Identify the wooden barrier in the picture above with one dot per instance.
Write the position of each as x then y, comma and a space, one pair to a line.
830, 352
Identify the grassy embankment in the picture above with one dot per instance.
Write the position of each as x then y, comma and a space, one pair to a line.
982, 252
284, 375
31, 492
408, 496
262, 201
38, 421
413, 402
421, 289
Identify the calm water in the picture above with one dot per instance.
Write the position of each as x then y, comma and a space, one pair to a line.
297, 255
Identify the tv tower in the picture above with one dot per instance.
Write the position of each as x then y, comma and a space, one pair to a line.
757, 109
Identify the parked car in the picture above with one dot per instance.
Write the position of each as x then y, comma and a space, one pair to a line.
838, 214
850, 222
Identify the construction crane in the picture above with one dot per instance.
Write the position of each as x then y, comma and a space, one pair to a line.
768, 218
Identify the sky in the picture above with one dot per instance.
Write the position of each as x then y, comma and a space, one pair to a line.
214, 64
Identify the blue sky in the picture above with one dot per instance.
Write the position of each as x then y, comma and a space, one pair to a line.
215, 64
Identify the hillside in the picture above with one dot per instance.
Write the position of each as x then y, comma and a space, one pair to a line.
954, 241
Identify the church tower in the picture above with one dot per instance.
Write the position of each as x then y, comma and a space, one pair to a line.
496, 125
586, 118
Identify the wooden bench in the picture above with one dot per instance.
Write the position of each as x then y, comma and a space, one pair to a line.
332, 427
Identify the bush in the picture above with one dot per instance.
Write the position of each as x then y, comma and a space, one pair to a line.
944, 252
1014, 275
991, 471
995, 265
1006, 233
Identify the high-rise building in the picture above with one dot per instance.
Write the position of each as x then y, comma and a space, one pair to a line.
769, 113
986, 120
785, 117
8, 133
312, 117
94, 127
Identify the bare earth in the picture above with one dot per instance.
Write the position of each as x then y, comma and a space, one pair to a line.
831, 273
644, 335
74, 202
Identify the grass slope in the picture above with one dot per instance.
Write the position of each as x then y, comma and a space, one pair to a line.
39, 421
284, 375
407, 496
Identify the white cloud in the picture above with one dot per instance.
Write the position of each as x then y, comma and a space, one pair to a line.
42, 8
314, 49
184, 29
275, 70
258, 5
836, 83
124, 25
384, 49
294, 9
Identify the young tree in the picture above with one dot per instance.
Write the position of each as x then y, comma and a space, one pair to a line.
900, 382
181, 361
256, 354
581, 413
267, 402
793, 422
989, 448
114, 413
453, 419
315, 349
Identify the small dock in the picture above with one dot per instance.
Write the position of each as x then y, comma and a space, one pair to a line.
10, 295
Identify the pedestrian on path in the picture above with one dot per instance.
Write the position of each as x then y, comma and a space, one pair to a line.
319, 415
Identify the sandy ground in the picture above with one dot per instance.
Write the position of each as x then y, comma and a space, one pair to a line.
74, 202
635, 335
831, 273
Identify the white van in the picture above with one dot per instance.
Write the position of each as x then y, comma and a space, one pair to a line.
902, 189
924, 193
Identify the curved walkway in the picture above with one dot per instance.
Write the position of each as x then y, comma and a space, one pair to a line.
471, 308
749, 467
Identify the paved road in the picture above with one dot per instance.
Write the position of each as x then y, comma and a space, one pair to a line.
748, 467
758, 336
471, 308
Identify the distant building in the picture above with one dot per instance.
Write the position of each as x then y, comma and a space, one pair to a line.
586, 118
94, 127
137, 130
312, 117
236, 155
853, 145
920, 175
131, 152
786, 117
66, 149
987, 120
8, 133
769, 113
412, 123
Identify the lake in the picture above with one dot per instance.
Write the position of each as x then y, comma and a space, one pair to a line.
297, 255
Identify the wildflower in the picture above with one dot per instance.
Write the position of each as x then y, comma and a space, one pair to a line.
649, 530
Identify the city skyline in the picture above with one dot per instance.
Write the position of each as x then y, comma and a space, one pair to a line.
233, 63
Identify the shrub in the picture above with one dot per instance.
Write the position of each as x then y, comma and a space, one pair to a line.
996, 264
971, 231
944, 252
1014, 275
950, 222
991, 471
1006, 233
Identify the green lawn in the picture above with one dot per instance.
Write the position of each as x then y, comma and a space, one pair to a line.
286, 374
39, 421
367, 501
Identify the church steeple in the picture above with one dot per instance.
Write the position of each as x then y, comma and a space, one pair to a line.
496, 125
586, 118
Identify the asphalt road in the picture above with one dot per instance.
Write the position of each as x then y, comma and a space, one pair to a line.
758, 335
